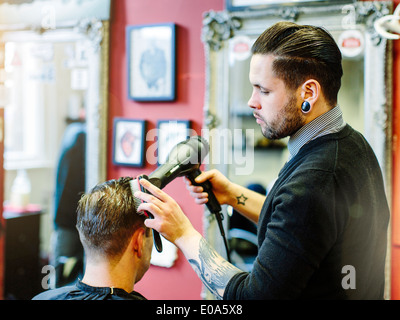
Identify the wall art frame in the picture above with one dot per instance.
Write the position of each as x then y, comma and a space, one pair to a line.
128, 142
169, 134
151, 53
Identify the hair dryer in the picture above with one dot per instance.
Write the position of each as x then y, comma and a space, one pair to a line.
183, 160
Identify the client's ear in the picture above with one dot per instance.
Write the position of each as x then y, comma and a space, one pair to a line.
137, 241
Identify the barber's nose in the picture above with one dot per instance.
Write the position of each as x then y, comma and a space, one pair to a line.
253, 102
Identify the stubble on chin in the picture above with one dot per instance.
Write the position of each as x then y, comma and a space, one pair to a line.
288, 123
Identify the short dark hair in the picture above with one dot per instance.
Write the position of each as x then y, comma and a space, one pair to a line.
303, 52
107, 218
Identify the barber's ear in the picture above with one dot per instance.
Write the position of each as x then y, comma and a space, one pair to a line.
310, 91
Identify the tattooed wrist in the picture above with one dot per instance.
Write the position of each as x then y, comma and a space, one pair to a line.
241, 199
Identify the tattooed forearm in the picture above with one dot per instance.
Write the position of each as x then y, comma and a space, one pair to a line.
213, 270
241, 199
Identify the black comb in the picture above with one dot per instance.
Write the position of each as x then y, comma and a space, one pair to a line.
136, 186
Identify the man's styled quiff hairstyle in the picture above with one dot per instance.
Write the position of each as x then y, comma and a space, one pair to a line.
107, 217
302, 53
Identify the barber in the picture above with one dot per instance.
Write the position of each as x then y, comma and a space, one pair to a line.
322, 229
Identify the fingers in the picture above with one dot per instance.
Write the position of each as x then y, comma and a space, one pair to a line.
151, 206
197, 192
169, 219
152, 202
150, 223
204, 176
157, 202
194, 190
157, 192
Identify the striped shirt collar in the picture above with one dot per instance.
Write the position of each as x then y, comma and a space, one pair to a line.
327, 123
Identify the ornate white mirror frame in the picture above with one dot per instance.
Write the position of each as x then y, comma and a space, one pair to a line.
85, 21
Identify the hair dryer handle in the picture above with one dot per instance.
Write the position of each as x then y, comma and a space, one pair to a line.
212, 203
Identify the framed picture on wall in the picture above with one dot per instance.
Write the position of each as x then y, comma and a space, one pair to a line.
151, 62
128, 142
170, 133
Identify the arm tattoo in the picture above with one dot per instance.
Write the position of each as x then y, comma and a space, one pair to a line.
241, 199
213, 270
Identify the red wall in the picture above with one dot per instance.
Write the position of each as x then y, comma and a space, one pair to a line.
180, 281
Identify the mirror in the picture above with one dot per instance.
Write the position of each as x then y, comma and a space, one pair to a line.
73, 36
65, 47
365, 96
56, 63
62, 71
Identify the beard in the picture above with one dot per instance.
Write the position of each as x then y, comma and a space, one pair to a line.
287, 123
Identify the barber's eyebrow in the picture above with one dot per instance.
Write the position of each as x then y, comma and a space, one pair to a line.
258, 86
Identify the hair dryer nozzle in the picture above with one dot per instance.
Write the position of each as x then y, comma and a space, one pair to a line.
184, 158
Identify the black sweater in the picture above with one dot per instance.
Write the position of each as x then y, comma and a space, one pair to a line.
322, 231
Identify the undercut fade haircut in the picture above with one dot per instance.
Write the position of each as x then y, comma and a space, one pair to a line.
301, 53
107, 218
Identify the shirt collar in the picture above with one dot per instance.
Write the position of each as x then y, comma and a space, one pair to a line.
329, 122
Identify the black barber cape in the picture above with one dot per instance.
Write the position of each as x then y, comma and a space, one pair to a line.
81, 291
